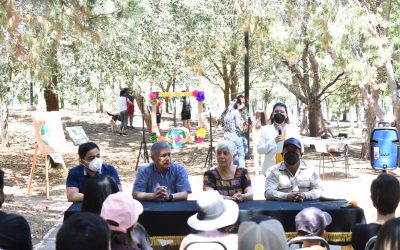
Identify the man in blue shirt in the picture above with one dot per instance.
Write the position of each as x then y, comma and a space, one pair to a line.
161, 179
91, 165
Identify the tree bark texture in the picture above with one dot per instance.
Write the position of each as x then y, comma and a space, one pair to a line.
143, 109
4, 125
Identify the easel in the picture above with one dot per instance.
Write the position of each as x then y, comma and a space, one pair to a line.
47, 166
211, 149
143, 144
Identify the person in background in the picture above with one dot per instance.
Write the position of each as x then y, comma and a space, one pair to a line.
90, 165
385, 197
231, 181
97, 189
15, 232
121, 212
244, 113
273, 135
292, 179
83, 231
260, 121
214, 222
186, 112
231, 122
130, 105
389, 236
123, 111
312, 221
158, 111
267, 234
161, 179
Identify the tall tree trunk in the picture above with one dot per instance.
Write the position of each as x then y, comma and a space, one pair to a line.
4, 125
314, 117
227, 81
50, 97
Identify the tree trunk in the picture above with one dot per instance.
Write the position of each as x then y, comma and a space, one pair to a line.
51, 99
4, 125
314, 117
143, 109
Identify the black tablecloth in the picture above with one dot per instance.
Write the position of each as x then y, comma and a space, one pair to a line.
170, 218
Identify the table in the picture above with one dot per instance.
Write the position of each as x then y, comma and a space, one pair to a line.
168, 220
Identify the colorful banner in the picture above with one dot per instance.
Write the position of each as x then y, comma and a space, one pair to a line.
49, 132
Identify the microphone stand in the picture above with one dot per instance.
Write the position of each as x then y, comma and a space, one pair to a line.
211, 149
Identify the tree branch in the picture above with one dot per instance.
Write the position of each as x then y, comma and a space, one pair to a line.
330, 84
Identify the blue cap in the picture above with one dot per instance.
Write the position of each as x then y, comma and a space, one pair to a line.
292, 141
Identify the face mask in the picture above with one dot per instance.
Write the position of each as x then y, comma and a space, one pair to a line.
95, 164
291, 157
279, 118
241, 106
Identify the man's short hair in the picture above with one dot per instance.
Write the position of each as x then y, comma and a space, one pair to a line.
385, 193
157, 146
82, 231
86, 147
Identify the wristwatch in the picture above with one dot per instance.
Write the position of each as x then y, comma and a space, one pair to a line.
170, 197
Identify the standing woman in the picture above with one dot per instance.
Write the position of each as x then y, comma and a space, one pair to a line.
273, 135
186, 112
123, 112
260, 120
230, 180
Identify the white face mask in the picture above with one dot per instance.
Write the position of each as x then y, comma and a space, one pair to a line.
241, 106
95, 164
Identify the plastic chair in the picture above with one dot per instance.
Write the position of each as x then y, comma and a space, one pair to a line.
370, 243
334, 157
301, 239
209, 245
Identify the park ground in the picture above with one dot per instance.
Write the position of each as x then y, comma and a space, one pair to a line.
44, 214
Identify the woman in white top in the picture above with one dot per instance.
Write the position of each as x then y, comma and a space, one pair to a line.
273, 135
260, 121
123, 112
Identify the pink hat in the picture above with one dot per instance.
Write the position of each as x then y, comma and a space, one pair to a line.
122, 209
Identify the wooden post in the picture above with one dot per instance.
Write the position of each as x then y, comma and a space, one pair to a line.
33, 168
47, 165
200, 110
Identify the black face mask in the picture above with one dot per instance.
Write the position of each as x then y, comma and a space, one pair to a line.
279, 118
291, 157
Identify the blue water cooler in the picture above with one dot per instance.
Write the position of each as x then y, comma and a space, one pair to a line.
384, 145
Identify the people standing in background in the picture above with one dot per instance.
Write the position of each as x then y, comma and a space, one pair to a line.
186, 112
273, 135
123, 112
158, 111
260, 120
240, 105
231, 122
130, 105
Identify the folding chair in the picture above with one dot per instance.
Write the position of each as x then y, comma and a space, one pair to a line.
333, 157
301, 239
370, 243
209, 245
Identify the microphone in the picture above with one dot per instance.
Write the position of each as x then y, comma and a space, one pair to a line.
280, 130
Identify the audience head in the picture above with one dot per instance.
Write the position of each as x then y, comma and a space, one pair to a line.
96, 191
89, 154
385, 193
160, 153
389, 236
122, 92
228, 145
312, 221
121, 213
268, 234
239, 102
213, 212
1, 187
279, 114
82, 231
85, 148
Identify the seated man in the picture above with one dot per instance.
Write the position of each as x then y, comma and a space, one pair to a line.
385, 197
14, 229
292, 179
161, 179
91, 165
312, 221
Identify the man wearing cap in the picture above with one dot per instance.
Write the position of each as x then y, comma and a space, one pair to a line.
312, 221
161, 179
292, 179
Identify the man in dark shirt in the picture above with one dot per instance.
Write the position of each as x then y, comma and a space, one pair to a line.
14, 229
91, 165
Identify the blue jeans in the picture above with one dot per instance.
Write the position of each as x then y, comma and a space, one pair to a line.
239, 159
245, 144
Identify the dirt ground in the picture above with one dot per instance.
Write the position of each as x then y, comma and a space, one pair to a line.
43, 214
